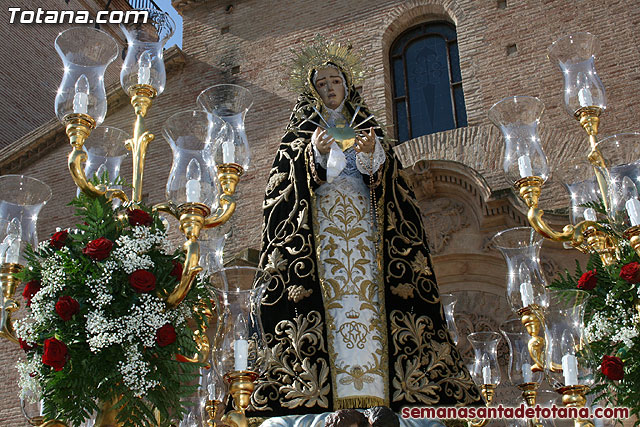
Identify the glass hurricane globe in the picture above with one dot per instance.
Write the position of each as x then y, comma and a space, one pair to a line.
448, 304
105, 151
520, 361
144, 63
621, 154
193, 137
567, 351
240, 344
21, 199
85, 52
526, 284
485, 369
578, 178
518, 118
230, 103
575, 56
212, 241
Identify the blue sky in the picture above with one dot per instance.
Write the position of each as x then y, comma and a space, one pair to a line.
165, 5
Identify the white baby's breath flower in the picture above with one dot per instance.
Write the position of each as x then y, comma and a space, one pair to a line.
25, 330
617, 324
29, 379
134, 372
138, 326
101, 332
131, 252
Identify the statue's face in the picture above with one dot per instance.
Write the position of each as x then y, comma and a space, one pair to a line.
329, 86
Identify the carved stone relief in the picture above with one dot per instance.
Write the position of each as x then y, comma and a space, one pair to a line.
443, 217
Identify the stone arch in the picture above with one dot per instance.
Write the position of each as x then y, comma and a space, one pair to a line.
466, 214
460, 217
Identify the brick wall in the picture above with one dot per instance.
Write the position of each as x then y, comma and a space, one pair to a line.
247, 42
31, 68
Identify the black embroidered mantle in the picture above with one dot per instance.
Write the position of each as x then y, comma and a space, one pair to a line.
424, 368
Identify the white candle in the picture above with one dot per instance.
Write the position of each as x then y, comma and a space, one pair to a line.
13, 251
526, 293
10, 247
633, 209
524, 165
81, 97
211, 388
570, 369
526, 373
193, 191
193, 181
3, 251
240, 354
144, 68
486, 375
228, 151
584, 97
590, 214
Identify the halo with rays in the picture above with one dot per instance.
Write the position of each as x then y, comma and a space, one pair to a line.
319, 52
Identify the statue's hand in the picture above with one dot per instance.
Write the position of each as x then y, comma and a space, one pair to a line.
321, 140
366, 142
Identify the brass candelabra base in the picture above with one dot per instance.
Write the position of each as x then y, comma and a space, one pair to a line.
529, 394
215, 410
488, 392
9, 280
530, 189
78, 128
575, 397
603, 245
589, 118
241, 385
229, 175
633, 235
532, 320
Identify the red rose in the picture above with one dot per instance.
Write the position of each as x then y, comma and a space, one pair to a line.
177, 270
58, 239
166, 335
98, 249
55, 353
30, 289
611, 367
142, 281
24, 345
66, 307
138, 217
630, 272
588, 280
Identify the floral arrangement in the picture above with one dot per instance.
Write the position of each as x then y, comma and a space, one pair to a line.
97, 328
612, 325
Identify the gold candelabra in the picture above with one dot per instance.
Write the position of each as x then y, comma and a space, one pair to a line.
575, 397
81, 107
241, 385
605, 210
488, 392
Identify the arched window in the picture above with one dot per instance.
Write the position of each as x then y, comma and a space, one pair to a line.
427, 84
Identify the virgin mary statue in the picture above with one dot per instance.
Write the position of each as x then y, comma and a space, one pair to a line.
353, 319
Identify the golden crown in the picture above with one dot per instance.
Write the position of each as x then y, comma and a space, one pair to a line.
352, 314
317, 54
